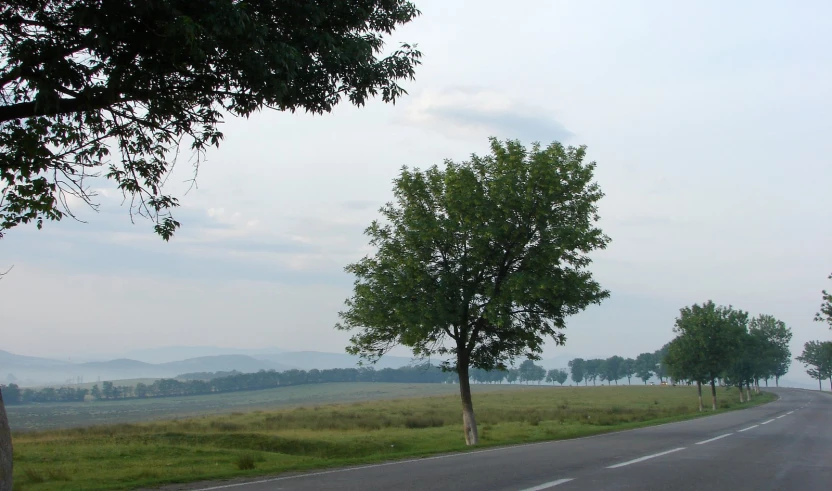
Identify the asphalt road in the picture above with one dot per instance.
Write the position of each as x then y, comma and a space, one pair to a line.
783, 445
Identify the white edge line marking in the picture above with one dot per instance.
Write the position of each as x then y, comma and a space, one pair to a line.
767, 422
789, 412
713, 439
550, 484
749, 428
446, 456
646, 457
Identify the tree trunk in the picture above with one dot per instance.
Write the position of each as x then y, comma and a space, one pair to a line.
747, 391
741, 399
777, 380
699, 388
5, 449
469, 423
819, 387
713, 394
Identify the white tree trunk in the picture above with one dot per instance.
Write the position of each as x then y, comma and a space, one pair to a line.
699, 389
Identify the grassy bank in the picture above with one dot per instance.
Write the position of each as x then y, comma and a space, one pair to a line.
268, 442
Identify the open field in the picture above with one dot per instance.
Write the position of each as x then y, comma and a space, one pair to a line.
128, 456
67, 415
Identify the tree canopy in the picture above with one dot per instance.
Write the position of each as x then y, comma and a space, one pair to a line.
710, 336
113, 89
482, 260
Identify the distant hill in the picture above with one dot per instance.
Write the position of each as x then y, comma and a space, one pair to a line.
33, 371
307, 360
169, 354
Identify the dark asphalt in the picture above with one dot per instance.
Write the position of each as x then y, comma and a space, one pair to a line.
790, 448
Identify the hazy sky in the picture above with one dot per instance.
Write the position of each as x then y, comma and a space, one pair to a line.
709, 121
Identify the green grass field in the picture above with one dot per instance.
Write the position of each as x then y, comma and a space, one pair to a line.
56, 416
127, 456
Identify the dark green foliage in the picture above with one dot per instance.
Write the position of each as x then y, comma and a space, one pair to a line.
825, 313
645, 366
577, 369
90, 87
481, 259
245, 462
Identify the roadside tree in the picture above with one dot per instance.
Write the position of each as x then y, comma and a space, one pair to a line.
576, 368
715, 333
480, 260
817, 358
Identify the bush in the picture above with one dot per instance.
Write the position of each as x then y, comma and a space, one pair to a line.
245, 462
423, 422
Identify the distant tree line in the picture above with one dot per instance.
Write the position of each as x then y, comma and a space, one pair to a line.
13, 394
616, 368
424, 373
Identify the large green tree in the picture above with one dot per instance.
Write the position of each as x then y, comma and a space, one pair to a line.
817, 357
91, 88
116, 89
715, 334
481, 260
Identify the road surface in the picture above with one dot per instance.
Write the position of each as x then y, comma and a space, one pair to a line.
783, 445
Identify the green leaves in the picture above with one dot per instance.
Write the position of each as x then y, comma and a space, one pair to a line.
482, 259
79, 79
825, 313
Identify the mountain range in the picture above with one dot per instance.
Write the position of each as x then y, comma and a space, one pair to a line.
28, 371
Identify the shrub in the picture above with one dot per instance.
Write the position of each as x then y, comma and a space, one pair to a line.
245, 462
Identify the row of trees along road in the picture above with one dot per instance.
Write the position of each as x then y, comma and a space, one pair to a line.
615, 368
717, 342
527, 372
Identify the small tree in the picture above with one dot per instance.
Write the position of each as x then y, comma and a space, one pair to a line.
645, 365
529, 372
480, 260
576, 368
592, 369
817, 358
715, 333
684, 361
561, 376
628, 369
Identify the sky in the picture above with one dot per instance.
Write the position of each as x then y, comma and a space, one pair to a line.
709, 122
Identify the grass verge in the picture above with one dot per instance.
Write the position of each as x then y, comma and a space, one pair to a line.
128, 456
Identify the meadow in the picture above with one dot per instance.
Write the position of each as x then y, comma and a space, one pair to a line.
49, 416
248, 444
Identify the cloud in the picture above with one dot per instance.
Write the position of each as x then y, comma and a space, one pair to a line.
476, 111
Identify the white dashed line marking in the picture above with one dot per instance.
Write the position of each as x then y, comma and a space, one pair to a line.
790, 412
749, 428
781, 416
547, 485
713, 439
767, 422
647, 457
